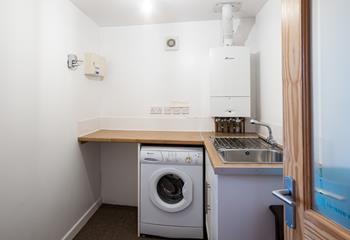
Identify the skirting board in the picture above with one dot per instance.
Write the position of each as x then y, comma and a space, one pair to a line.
82, 221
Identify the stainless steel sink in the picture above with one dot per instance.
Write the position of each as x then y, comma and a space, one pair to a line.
251, 155
247, 150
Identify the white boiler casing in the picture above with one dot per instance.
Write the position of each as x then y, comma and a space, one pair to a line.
230, 84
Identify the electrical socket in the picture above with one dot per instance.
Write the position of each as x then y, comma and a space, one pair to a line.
156, 110
185, 110
167, 110
176, 110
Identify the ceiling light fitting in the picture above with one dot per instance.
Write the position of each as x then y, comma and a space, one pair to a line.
236, 6
147, 7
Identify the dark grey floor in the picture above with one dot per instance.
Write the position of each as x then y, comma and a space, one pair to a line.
112, 222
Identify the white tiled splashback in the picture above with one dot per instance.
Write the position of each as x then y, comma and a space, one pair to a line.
146, 123
88, 126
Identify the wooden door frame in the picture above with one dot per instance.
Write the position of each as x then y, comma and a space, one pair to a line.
297, 121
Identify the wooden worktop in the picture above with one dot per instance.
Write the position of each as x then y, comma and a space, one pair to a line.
153, 137
185, 138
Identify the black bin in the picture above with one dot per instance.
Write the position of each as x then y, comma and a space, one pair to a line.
277, 211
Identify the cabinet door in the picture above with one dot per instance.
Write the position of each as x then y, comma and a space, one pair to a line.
207, 195
207, 208
211, 200
230, 71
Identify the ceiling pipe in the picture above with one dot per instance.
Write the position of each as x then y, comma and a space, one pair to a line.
227, 24
230, 24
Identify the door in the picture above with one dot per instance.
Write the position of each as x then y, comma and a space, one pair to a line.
316, 92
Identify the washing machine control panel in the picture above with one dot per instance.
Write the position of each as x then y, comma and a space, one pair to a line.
183, 156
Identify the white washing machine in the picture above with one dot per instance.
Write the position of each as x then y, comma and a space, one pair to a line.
171, 191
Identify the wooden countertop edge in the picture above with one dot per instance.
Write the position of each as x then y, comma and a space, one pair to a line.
142, 141
155, 137
203, 139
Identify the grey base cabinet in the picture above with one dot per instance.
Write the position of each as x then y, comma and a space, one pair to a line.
237, 205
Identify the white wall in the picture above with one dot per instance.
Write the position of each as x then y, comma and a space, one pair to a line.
47, 180
265, 42
142, 74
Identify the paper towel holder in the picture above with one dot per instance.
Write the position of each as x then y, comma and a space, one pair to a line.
73, 62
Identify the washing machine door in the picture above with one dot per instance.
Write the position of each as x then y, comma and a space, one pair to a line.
171, 189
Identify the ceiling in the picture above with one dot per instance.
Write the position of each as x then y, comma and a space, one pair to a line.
136, 12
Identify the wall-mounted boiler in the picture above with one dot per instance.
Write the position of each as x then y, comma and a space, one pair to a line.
230, 82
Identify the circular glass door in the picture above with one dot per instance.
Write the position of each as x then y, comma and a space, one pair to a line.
171, 190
